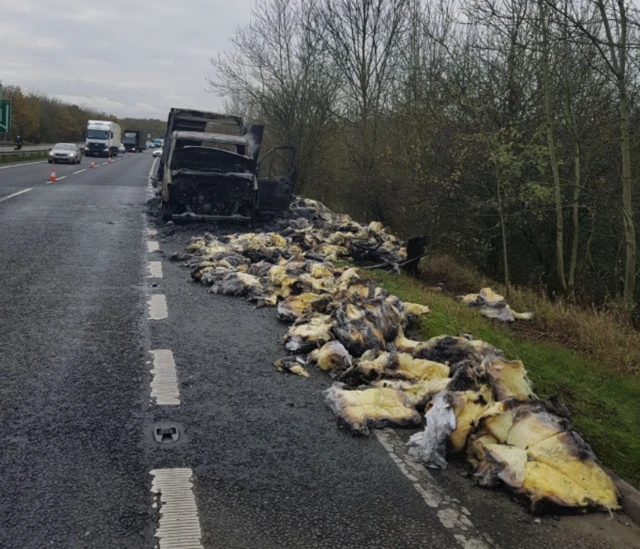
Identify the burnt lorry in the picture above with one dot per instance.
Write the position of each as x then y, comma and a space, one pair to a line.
210, 170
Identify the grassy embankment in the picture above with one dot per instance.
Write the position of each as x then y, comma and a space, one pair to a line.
592, 365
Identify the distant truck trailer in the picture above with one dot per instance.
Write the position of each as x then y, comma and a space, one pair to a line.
133, 141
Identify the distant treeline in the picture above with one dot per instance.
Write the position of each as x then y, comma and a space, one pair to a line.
38, 118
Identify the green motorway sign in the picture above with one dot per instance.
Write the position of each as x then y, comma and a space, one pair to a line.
5, 115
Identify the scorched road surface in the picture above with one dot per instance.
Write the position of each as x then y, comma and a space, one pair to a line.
71, 361
103, 340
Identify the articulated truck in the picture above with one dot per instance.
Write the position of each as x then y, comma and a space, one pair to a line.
133, 141
103, 138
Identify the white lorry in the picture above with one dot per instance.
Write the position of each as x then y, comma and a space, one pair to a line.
103, 138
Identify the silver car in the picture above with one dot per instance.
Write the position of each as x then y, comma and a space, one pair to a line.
65, 152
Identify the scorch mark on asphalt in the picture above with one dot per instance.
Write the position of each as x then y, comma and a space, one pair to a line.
179, 525
451, 514
164, 386
15, 194
155, 269
158, 307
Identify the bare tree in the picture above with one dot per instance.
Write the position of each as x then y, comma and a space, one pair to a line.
504, 86
545, 40
280, 74
606, 23
363, 38
581, 89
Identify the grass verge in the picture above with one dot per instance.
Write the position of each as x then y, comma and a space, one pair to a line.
605, 404
19, 159
603, 334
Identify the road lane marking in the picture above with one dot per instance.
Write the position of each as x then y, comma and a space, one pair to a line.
104, 163
153, 246
158, 307
155, 269
152, 232
179, 525
20, 165
164, 386
15, 194
453, 516
48, 182
79, 171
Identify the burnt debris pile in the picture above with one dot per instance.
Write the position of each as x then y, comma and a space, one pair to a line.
469, 398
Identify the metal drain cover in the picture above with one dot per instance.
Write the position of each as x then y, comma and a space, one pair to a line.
166, 434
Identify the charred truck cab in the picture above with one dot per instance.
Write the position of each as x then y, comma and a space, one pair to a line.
209, 177
209, 169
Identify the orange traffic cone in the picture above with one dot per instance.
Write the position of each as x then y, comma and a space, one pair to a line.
52, 177
93, 165
109, 160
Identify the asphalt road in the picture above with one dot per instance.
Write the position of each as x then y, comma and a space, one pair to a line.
259, 461
72, 361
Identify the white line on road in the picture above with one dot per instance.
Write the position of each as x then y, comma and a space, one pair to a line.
20, 165
179, 525
158, 307
153, 246
79, 171
164, 386
450, 513
48, 182
15, 194
152, 232
104, 163
155, 269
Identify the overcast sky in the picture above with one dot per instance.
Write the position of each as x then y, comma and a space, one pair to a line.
127, 57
